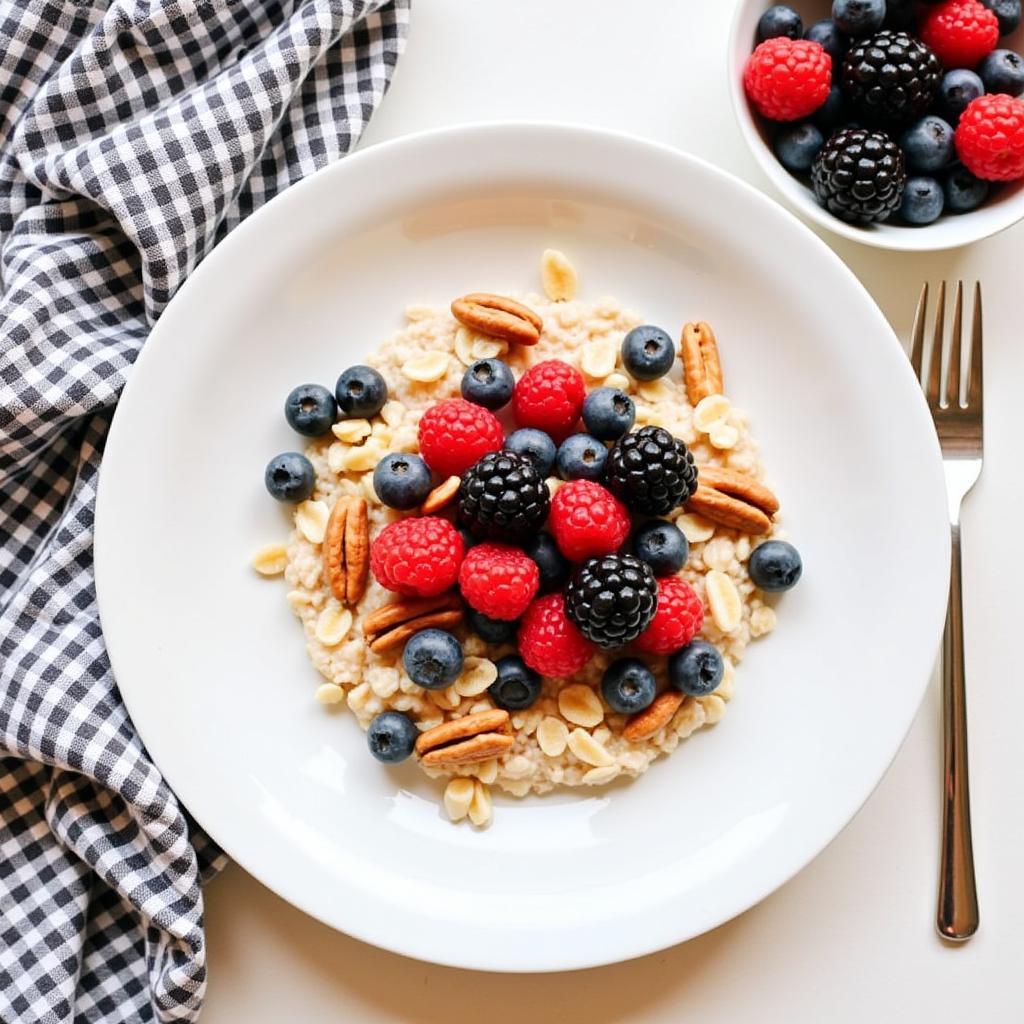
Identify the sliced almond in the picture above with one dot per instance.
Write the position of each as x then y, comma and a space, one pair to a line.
724, 601
447, 699
329, 693
366, 456
718, 553
426, 368
552, 736
270, 560
619, 381
480, 807
714, 708
580, 705
336, 457
441, 496
727, 687
723, 436
557, 276
695, 528
488, 348
477, 675
458, 795
332, 625
601, 776
762, 620
588, 750
654, 391
352, 431
464, 339
486, 771
297, 598
311, 520
649, 722
393, 413
709, 411
598, 358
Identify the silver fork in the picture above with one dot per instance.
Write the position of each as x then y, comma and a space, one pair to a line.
959, 426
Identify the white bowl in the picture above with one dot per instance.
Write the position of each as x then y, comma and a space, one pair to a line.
212, 663
950, 231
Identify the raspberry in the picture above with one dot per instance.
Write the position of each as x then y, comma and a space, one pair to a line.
587, 520
498, 581
960, 32
549, 643
677, 619
417, 557
455, 433
549, 396
990, 138
787, 79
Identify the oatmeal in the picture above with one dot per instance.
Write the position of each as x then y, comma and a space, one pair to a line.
482, 714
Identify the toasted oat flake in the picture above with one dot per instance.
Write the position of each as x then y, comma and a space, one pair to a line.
393, 413
480, 808
598, 358
311, 520
711, 411
552, 736
558, 276
352, 431
714, 708
426, 368
580, 705
724, 601
458, 795
297, 598
762, 620
329, 693
588, 750
477, 675
695, 528
333, 625
718, 553
270, 560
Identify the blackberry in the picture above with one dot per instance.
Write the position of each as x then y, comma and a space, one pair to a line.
891, 78
651, 471
503, 497
611, 599
859, 175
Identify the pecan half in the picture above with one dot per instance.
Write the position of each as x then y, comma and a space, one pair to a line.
702, 369
346, 549
467, 740
498, 317
644, 724
390, 626
733, 500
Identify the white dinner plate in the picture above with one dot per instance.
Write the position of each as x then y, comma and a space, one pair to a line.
212, 664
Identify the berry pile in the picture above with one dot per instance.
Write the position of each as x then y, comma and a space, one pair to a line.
891, 108
556, 577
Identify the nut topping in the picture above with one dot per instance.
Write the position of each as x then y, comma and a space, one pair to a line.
702, 369
498, 317
644, 724
441, 496
733, 499
387, 628
466, 740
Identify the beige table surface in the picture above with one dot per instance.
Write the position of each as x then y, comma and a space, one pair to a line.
850, 939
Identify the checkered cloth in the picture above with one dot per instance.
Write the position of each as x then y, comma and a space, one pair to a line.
134, 134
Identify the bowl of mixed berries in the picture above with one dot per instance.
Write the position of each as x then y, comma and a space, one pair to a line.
892, 122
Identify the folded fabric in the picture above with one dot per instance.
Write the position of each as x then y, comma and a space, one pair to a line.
133, 136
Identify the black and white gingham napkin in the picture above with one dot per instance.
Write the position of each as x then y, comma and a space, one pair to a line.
134, 134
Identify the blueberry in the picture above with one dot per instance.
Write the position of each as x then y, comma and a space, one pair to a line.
662, 546
797, 145
361, 392
517, 686
401, 481
1007, 12
310, 410
922, 201
647, 352
289, 477
928, 145
608, 413
536, 446
779, 20
493, 631
858, 17
775, 565
391, 737
697, 669
826, 33
433, 659
957, 89
553, 565
581, 457
1003, 71
831, 112
964, 192
628, 686
488, 382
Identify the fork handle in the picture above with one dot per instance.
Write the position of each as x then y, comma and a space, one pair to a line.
957, 913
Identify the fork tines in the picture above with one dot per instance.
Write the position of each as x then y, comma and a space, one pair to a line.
947, 347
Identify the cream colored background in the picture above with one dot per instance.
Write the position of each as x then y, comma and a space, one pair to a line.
850, 939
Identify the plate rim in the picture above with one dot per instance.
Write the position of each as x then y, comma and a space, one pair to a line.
222, 256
